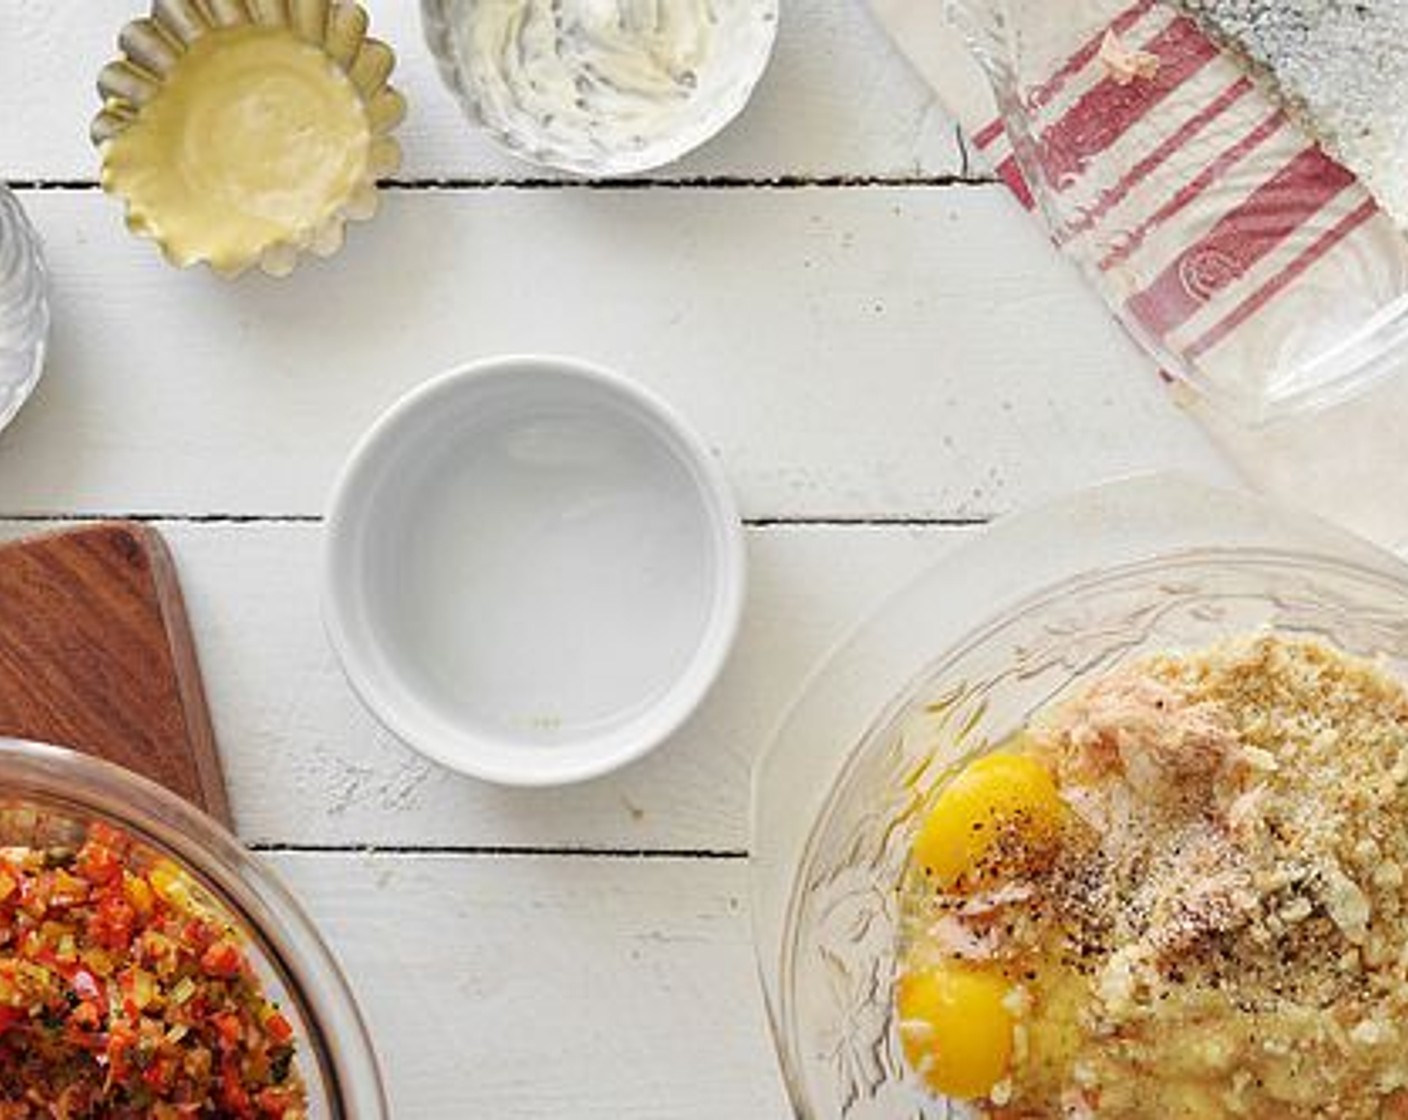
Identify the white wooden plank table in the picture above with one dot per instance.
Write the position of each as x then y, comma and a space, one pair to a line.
881, 351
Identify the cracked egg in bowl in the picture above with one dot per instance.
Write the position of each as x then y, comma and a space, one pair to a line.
1137, 847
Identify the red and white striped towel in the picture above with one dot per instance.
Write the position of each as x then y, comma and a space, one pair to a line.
1245, 260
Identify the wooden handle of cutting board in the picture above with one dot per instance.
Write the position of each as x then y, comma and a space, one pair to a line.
96, 654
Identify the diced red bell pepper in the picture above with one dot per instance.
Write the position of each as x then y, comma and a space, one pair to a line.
112, 923
229, 1028
280, 1029
98, 863
222, 960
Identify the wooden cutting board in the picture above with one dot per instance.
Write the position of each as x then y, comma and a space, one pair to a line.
96, 654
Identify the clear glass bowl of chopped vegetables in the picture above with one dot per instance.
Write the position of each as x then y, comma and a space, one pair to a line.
150, 967
946, 672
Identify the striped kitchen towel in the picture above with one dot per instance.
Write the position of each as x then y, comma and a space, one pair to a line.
1244, 259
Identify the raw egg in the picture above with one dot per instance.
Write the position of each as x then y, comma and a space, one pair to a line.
955, 1028
1001, 810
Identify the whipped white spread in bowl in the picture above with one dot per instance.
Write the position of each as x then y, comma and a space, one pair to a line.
601, 87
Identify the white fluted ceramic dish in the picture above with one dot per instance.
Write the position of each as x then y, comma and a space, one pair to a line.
534, 571
601, 87
153, 51
24, 307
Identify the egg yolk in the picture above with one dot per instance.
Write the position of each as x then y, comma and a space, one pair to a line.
1000, 808
955, 1028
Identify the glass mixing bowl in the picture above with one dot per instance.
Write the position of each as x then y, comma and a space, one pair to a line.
840, 793
50, 797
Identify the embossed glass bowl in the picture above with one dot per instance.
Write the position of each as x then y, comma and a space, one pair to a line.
601, 87
50, 796
956, 663
24, 307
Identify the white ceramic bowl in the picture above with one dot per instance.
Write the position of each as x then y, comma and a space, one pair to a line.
533, 571
601, 87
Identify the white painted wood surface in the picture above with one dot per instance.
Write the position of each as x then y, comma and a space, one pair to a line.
836, 101
308, 767
880, 358
856, 353
528, 987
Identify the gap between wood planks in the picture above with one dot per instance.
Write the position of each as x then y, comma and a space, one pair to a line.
473, 851
962, 178
839, 521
